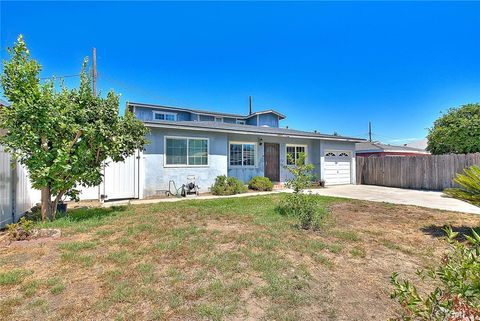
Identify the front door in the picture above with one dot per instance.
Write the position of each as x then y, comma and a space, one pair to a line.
272, 161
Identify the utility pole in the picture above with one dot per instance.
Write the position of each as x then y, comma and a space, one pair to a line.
94, 71
370, 131
250, 104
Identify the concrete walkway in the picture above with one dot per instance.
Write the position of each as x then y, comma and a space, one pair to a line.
360, 192
398, 196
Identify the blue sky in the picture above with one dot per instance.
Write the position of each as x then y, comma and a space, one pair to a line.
327, 66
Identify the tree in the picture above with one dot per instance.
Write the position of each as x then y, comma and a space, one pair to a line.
62, 136
457, 131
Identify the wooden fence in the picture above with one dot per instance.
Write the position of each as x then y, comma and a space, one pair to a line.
414, 172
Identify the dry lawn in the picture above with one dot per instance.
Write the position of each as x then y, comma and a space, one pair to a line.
225, 259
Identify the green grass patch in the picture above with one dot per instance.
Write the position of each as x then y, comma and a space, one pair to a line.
358, 252
14, 277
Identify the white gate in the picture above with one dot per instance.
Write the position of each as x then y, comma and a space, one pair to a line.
6, 188
120, 180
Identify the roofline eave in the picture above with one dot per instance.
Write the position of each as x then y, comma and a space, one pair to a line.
235, 131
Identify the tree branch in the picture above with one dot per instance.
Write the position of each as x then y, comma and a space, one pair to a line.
77, 136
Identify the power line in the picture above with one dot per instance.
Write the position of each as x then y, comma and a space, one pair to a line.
65, 76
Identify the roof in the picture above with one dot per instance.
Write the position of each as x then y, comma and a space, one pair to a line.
247, 129
205, 112
4, 103
377, 147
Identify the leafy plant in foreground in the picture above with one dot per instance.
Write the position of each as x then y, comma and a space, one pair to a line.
457, 295
469, 186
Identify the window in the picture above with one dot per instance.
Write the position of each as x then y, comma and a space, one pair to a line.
164, 116
186, 151
330, 154
219, 119
293, 154
343, 154
240, 122
242, 154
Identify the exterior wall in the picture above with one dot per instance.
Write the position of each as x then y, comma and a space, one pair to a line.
146, 114
338, 145
206, 118
270, 120
246, 173
155, 176
251, 121
229, 120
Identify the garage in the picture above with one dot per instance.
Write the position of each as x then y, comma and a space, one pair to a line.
337, 167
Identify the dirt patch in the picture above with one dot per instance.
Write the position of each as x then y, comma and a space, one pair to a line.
231, 260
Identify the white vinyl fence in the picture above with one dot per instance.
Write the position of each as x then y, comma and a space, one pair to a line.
16, 193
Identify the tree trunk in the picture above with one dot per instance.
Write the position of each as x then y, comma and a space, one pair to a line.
46, 203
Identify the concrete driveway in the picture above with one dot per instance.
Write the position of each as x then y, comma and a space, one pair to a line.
398, 196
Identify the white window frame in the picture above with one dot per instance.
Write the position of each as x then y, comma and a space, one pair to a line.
296, 145
337, 152
155, 112
240, 121
187, 138
255, 158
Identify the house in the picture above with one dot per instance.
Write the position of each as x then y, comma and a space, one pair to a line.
188, 142
377, 149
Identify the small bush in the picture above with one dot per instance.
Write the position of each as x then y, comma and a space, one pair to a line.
260, 183
305, 208
21, 230
228, 186
456, 295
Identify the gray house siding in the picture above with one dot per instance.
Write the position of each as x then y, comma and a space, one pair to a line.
157, 176
229, 120
206, 118
246, 173
251, 121
146, 114
270, 120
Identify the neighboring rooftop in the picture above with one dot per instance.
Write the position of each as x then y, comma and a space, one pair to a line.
248, 129
4, 103
377, 147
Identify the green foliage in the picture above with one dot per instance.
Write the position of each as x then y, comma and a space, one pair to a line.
469, 186
301, 174
457, 131
63, 136
457, 295
14, 276
300, 205
21, 230
227, 186
304, 207
260, 183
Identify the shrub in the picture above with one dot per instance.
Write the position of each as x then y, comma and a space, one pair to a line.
21, 230
457, 279
228, 186
302, 206
469, 186
260, 183
305, 208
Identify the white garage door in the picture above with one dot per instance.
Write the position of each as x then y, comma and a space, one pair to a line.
337, 167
